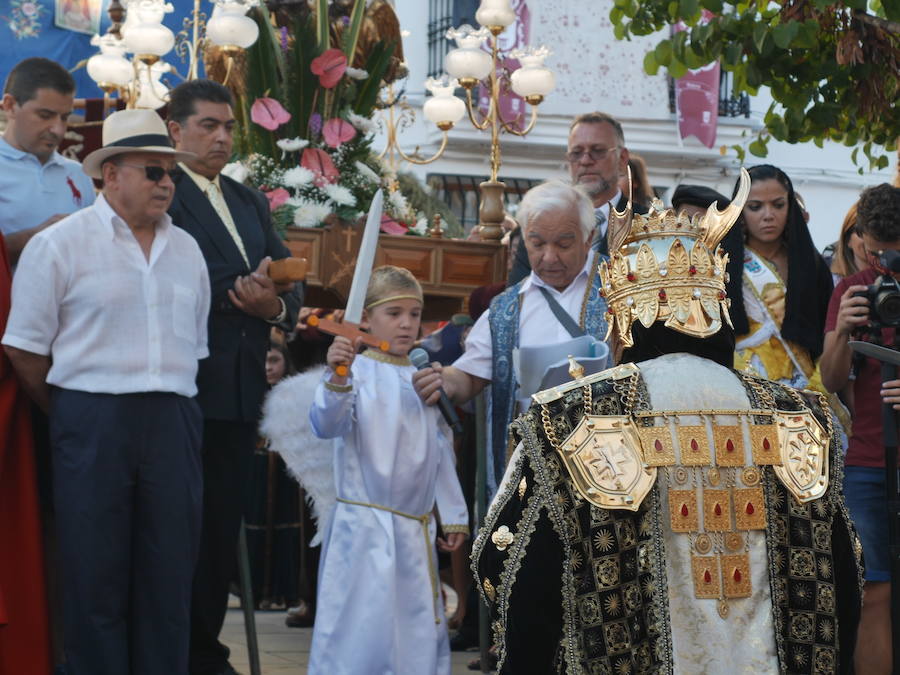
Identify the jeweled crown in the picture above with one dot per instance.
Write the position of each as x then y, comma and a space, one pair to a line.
668, 267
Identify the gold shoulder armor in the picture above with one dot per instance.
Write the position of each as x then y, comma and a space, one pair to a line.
620, 372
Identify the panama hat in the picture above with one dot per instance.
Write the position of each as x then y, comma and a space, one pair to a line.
135, 130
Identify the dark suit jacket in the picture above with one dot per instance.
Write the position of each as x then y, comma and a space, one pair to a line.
521, 268
232, 381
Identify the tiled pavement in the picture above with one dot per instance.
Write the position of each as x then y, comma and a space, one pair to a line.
285, 650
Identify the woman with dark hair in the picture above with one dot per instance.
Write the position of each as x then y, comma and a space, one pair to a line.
779, 284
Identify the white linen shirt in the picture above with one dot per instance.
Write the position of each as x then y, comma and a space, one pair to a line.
537, 323
112, 321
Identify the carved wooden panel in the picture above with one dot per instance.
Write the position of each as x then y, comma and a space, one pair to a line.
448, 269
418, 259
462, 268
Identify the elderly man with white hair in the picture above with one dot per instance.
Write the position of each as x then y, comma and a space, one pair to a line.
556, 303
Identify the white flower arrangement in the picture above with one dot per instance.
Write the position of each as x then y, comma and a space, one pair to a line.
340, 195
297, 177
308, 213
366, 172
291, 145
364, 124
236, 171
356, 73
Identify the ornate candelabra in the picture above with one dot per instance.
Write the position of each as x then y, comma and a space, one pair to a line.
143, 35
467, 66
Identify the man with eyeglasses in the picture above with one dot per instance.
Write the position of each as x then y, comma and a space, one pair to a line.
878, 224
597, 156
107, 325
232, 224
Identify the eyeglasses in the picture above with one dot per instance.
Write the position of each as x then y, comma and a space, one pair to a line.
154, 173
595, 154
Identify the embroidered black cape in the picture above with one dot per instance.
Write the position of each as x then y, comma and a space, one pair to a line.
549, 590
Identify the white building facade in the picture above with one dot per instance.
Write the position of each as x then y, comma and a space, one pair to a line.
594, 71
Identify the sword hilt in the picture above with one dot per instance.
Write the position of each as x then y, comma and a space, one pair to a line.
349, 330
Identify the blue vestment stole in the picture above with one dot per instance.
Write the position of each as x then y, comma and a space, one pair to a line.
504, 323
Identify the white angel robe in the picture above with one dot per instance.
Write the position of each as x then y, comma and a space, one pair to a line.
379, 608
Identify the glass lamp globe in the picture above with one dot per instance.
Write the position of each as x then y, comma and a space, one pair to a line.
495, 13
109, 69
533, 80
229, 27
147, 38
443, 108
468, 63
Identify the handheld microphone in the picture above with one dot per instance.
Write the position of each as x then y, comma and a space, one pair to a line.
419, 358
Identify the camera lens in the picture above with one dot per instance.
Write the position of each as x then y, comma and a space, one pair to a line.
887, 305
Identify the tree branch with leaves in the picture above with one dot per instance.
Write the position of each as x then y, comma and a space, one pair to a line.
833, 67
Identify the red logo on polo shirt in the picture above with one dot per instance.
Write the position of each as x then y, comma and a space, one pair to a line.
76, 193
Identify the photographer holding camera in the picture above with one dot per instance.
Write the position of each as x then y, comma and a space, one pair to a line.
866, 306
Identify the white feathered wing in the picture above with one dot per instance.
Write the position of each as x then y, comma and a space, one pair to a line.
310, 460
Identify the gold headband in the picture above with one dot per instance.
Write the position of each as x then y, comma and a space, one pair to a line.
395, 297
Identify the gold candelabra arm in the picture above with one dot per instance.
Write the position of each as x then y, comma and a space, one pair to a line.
412, 159
510, 129
471, 107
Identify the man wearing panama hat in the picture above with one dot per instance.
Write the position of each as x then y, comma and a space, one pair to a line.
108, 322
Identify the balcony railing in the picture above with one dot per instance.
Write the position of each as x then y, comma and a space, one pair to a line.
730, 104
444, 14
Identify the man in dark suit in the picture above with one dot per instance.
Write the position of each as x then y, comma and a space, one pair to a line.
597, 156
232, 225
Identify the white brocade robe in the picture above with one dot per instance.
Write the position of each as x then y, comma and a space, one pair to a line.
379, 610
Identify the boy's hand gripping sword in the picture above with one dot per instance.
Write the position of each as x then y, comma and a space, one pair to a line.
349, 327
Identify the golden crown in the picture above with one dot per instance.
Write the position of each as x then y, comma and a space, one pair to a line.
668, 267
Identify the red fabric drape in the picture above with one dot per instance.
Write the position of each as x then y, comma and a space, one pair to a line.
24, 632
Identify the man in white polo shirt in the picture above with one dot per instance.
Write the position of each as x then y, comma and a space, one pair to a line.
38, 186
108, 322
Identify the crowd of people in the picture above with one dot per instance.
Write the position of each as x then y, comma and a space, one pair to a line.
158, 389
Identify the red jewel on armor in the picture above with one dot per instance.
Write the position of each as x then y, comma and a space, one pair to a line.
658, 445
721, 295
707, 577
750, 509
694, 445
630, 276
737, 575
718, 509
729, 446
692, 270
766, 444
662, 295
684, 511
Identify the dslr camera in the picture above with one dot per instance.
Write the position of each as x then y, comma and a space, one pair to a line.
884, 294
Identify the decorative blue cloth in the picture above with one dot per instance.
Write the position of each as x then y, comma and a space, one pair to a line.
504, 323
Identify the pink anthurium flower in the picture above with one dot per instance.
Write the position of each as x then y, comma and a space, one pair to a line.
337, 131
319, 162
391, 226
268, 113
330, 67
277, 197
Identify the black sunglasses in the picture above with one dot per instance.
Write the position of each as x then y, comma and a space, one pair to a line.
154, 173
